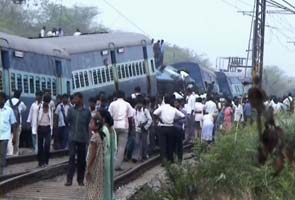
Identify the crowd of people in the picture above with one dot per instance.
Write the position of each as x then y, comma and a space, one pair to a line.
114, 129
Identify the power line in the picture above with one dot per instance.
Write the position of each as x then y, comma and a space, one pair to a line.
126, 18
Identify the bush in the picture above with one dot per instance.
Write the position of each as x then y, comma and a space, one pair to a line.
229, 170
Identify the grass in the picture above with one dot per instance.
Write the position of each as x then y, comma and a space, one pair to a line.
229, 171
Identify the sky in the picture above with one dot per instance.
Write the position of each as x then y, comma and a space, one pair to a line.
213, 28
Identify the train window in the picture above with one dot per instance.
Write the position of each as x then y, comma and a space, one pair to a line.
144, 69
31, 83
68, 87
123, 71
37, 82
73, 82
137, 69
77, 82
130, 70
49, 84
82, 79
86, 79
19, 82
127, 71
108, 74
140, 69
54, 87
43, 83
119, 72
26, 84
152, 65
94, 74
111, 74
103, 74
99, 76
12, 81
133, 68
1, 81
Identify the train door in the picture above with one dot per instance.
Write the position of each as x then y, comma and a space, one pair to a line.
114, 67
59, 81
147, 69
4, 71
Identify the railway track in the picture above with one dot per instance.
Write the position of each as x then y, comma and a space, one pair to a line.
47, 183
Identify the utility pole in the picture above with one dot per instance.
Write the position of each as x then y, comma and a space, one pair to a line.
258, 39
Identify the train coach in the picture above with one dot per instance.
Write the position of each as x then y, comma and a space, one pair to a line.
88, 64
222, 84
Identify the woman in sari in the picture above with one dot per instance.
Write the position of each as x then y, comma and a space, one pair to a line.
95, 162
110, 149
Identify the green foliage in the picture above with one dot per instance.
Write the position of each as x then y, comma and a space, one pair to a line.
230, 171
174, 54
28, 20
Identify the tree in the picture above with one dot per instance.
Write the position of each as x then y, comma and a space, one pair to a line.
27, 20
174, 54
276, 82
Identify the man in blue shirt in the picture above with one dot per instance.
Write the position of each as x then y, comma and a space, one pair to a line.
7, 119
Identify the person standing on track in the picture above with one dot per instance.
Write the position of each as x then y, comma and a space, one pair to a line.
7, 120
18, 108
63, 127
167, 115
32, 114
78, 118
44, 121
122, 112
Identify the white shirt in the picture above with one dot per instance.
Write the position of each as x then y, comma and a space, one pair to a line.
142, 116
168, 114
199, 107
276, 107
33, 115
238, 113
7, 119
58, 111
208, 119
39, 115
210, 107
21, 107
288, 101
77, 33
42, 33
121, 110
191, 100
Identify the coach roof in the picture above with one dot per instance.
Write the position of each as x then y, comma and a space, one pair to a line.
96, 42
33, 46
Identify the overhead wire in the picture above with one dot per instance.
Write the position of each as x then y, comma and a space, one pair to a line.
126, 18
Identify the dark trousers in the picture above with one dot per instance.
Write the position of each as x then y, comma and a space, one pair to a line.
3, 152
166, 143
179, 143
79, 149
44, 138
63, 135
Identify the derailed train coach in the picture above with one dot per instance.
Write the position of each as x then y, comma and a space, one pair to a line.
87, 64
219, 82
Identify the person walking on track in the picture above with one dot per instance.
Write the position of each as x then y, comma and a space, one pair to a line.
7, 120
78, 118
122, 112
167, 115
18, 108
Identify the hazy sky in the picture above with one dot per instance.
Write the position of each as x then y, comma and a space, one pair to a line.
210, 27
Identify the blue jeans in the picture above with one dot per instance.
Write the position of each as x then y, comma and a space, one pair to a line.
34, 140
3, 152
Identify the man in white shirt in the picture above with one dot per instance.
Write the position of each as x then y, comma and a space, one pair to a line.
210, 107
122, 112
63, 127
32, 115
289, 102
18, 108
43, 32
7, 119
77, 33
190, 109
199, 111
167, 138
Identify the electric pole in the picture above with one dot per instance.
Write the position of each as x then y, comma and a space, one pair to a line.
258, 39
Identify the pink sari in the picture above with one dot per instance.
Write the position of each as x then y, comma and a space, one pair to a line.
228, 116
